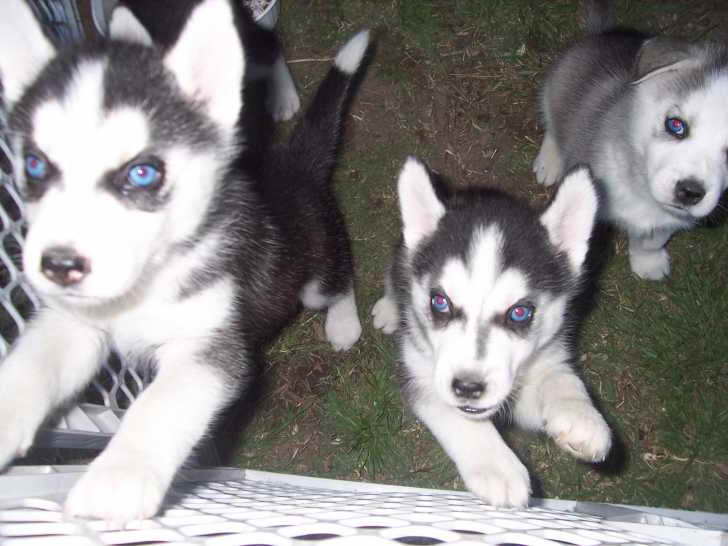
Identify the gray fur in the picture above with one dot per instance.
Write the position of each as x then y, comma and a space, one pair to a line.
590, 102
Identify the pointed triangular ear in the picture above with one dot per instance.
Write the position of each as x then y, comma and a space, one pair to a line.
24, 49
659, 55
209, 63
418, 203
124, 26
570, 217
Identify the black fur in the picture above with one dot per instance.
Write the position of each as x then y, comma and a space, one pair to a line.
278, 213
526, 248
526, 245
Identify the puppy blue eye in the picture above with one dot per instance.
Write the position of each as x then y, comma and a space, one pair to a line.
676, 127
520, 313
35, 167
439, 303
143, 175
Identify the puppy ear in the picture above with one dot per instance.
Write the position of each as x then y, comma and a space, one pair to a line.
570, 217
124, 26
209, 63
660, 55
418, 203
24, 49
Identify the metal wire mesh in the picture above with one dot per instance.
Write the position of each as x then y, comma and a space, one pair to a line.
233, 507
17, 299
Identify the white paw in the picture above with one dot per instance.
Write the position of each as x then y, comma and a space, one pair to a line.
16, 431
506, 484
578, 428
653, 265
386, 315
15, 440
283, 102
547, 164
342, 331
117, 491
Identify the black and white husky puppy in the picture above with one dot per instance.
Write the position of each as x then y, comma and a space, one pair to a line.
147, 238
479, 294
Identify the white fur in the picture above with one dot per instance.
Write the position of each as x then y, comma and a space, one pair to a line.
62, 350
646, 204
350, 56
122, 245
129, 479
645, 207
342, 320
533, 367
487, 465
386, 314
420, 207
483, 291
215, 84
25, 50
570, 218
131, 299
554, 399
548, 164
124, 26
56, 356
311, 296
648, 256
701, 155
283, 102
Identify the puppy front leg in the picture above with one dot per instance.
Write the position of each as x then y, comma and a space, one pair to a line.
129, 479
386, 311
554, 399
283, 101
487, 465
648, 256
548, 164
56, 357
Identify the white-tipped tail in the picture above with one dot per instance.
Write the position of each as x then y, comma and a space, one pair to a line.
349, 57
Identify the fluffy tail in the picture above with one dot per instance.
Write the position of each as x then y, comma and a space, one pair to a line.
315, 140
599, 16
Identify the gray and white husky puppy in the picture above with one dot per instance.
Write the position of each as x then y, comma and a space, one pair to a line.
479, 294
649, 115
148, 237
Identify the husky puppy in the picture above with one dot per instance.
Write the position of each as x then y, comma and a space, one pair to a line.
478, 292
147, 237
649, 116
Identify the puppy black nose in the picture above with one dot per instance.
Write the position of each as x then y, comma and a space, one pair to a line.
64, 266
689, 192
468, 388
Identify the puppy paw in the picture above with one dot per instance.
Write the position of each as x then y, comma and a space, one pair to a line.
651, 265
16, 432
14, 442
284, 103
547, 165
504, 485
343, 331
578, 428
117, 492
386, 315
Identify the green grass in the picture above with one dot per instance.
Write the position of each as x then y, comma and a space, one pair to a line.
366, 414
456, 82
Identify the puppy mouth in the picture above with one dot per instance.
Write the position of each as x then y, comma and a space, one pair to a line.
470, 410
680, 209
